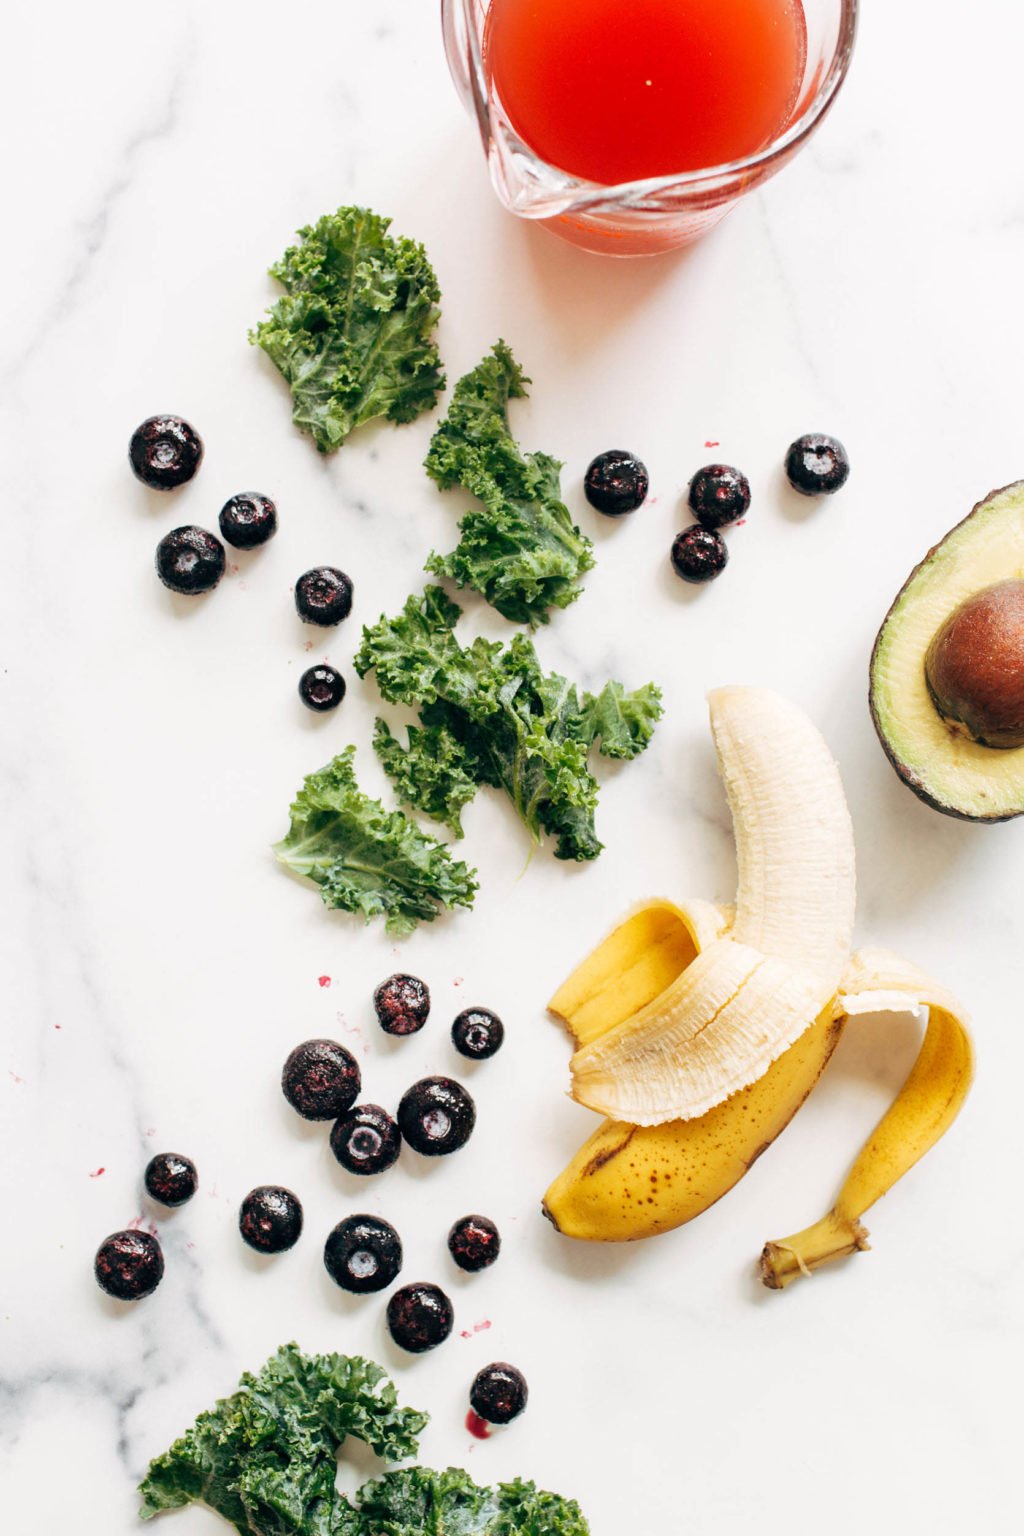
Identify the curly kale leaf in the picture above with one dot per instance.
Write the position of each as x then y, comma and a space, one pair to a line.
415, 1500
490, 715
353, 333
520, 549
266, 1457
416, 656
622, 723
434, 773
367, 859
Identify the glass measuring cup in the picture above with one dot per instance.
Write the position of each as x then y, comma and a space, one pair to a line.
637, 218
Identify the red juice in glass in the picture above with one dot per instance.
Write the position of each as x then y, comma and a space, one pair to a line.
620, 90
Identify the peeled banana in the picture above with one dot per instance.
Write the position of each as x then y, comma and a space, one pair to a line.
700, 1030
752, 992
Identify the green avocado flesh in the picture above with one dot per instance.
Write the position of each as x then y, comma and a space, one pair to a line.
939, 763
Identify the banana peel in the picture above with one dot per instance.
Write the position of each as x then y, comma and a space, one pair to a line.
922, 1112
753, 990
649, 998
628, 1182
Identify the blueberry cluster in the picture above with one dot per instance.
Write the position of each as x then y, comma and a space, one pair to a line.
718, 496
165, 452
130, 1264
617, 482
321, 1080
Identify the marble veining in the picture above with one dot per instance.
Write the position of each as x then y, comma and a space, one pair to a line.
157, 967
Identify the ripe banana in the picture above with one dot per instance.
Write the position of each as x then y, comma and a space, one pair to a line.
632, 1181
683, 1002
754, 991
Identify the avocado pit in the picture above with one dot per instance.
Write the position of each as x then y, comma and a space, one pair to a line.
974, 667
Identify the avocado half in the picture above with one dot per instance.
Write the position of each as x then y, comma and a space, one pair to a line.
940, 763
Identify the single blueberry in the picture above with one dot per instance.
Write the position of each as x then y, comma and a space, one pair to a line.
366, 1141
190, 560
164, 452
129, 1265
270, 1219
616, 482
170, 1178
698, 554
321, 1079
718, 495
248, 520
499, 1393
817, 465
420, 1317
323, 596
321, 688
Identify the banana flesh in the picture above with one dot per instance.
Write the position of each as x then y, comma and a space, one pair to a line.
924, 1109
631, 1181
719, 1028
794, 840
753, 991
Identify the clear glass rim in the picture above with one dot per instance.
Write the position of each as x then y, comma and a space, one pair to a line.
581, 192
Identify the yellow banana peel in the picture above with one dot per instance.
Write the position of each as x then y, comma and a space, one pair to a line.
701, 1030
628, 1182
923, 1110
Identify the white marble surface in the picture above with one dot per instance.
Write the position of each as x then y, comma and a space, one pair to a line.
157, 965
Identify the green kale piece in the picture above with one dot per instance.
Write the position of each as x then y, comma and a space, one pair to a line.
367, 859
435, 773
353, 333
520, 549
622, 723
415, 1500
489, 715
266, 1457
266, 1460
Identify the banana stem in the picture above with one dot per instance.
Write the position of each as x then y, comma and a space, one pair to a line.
833, 1237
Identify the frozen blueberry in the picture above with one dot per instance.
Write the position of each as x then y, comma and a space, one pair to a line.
616, 482
190, 560
367, 1140
477, 1033
321, 1079
321, 688
270, 1219
718, 495
420, 1317
402, 1004
436, 1116
170, 1178
323, 596
248, 520
499, 1393
164, 452
698, 554
129, 1265
363, 1254
474, 1243
817, 465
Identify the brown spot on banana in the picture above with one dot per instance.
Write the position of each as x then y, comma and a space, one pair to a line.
601, 1198
608, 1154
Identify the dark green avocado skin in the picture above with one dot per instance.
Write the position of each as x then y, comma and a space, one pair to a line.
911, 779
